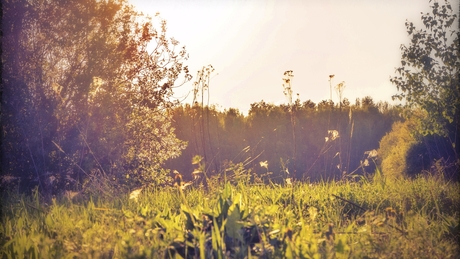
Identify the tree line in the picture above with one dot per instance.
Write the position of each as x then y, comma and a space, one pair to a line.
331, 140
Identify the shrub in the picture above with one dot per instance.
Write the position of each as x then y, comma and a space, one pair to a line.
394, 148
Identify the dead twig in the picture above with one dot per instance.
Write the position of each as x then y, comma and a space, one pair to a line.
352, 203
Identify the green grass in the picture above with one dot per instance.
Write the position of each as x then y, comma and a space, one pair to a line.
372, 218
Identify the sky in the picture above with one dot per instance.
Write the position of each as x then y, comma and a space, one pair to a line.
251, 43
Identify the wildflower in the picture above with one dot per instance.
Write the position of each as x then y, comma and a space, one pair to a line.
371, 153
332, 135
178, 181
264, 164
135, 194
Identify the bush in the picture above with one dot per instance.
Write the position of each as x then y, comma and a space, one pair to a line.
394, 148
405, 153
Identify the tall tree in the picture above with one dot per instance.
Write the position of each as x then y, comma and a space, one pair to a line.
428, 78
86, 88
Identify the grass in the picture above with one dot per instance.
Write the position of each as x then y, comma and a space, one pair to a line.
372, 218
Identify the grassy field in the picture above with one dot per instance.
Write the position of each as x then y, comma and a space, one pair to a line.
371, 218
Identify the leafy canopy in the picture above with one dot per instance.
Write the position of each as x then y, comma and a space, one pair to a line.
87, 86
428, 76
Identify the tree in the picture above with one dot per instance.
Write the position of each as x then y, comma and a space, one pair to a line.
428, 78
86, 90
309, 105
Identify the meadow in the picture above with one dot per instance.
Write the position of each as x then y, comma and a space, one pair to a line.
92, 127
371, 217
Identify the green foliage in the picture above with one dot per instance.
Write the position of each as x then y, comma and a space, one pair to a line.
428, 77
428, 81
150, 143
373, 218
87, 85
406, 153
394, 149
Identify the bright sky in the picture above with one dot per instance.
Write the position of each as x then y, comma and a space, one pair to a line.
250, 43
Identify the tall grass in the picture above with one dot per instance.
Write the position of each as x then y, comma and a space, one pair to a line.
371, 218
